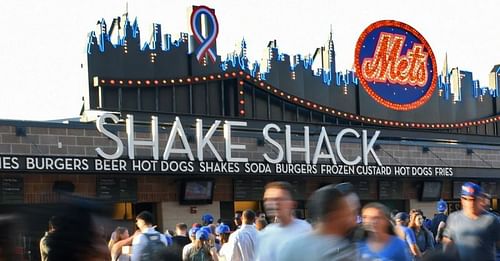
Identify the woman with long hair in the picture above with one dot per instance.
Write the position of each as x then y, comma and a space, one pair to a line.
202, 250
424, 237
380, 242
223, 232
119, 238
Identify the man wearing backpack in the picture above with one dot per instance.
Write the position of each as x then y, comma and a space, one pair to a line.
151, 244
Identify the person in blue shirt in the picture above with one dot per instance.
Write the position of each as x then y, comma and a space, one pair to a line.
381, 242
406, 234
438, 223
424, 237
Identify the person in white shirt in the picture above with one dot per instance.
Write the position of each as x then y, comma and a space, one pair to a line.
279, 206
144, 222
242, 242
334, 220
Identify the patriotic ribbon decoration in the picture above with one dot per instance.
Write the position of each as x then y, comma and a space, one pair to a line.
206, 44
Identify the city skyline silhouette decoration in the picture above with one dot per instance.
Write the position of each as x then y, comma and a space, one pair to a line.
186, 76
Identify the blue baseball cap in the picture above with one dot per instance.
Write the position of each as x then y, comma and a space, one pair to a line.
206, 229
207, 218
202, 235
401, 216
470, 189
193, 230
222, 229
441, 206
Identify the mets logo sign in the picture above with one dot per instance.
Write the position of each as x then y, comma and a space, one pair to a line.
395, 65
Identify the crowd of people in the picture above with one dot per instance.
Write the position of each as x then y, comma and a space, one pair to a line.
339, 228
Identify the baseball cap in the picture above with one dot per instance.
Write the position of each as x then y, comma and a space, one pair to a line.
470, 189
345, 188
401, 216
207, 229
207, 218
441, 206
221, 229
202, 235
193, 230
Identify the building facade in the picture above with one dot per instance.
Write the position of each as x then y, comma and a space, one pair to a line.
173, 128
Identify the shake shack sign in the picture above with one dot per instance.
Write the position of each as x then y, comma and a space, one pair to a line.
180, 157
233, 152
81, 165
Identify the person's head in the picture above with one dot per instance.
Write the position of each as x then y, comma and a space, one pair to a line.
471, 199
416, 220
207, 229
278, 200
144, 220
237, 218
223, 231
441, 206
192, 233
224, 238
415, 210
202, 237
376, 219
331, 211
55, 222
202, 234
180, 229
121, 233
485, 201
212, 228
394, 212
248, 217
207, 219
196, 225
347, 189
260, 223
401, 218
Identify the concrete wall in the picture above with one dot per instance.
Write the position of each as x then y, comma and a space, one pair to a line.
173, 213
429, 208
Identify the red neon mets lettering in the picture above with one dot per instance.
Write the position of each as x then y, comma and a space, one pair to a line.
388, 64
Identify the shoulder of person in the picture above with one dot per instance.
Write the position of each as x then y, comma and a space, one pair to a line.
456, 214
492, 218
137, 239
187, 247
268, 229
302, 223
397, 241
155, 233
406, 229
